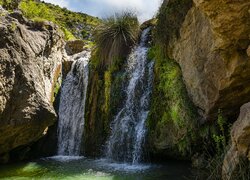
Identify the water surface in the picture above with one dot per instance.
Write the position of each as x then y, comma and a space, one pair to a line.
80, 168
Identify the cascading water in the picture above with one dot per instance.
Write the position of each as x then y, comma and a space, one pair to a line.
72, 107
128, 127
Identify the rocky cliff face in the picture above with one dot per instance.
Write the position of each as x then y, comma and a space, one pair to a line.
209, 39
31, 55
212, 52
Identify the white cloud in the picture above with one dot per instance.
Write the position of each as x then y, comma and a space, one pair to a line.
144, 8
102, 8
61, 3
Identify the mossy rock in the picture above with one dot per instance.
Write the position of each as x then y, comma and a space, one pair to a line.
172, 117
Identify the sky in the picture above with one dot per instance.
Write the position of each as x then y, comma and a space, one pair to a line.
145, 9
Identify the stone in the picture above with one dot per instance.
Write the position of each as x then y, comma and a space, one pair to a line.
212, 53
74, 47
31, 61
248, 51
240, 147
211, 46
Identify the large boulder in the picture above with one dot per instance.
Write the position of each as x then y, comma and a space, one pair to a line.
213, 53
31, 55
240, 148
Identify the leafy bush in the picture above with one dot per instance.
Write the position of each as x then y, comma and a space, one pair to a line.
115, 37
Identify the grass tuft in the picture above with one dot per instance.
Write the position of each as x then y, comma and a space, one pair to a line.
115, 37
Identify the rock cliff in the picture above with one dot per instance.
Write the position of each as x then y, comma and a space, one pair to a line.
212, 53
209, 39
31, 55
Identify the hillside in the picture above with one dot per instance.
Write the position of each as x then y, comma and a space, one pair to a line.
75, 25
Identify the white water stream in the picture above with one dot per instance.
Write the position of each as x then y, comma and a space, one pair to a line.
128, 127
72, 108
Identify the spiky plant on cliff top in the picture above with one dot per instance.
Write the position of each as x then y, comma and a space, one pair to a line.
115, 37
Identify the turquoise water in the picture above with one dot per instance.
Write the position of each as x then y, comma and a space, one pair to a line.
67, 168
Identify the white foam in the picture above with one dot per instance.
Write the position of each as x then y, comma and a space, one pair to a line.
125, 167
64, 158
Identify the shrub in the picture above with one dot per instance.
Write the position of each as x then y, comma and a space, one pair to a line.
68, 35
32, 9
115, 37
10, 4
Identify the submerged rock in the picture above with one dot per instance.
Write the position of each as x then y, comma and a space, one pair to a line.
31, 57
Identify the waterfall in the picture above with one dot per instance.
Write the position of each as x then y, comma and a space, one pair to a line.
72, 107
128, 127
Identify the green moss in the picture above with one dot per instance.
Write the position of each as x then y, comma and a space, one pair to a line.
171, 107
170, 18
103, 100
13, 26
56, 90
107, 88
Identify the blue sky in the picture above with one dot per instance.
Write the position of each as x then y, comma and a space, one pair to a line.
145, 9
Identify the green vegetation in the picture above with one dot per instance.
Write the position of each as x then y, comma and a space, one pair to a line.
220, 138
74, 25
104, 98
171, 108
68, 35
172, 115
114, 39
10, 4
115, 36
170, 18
214, 147
13, 26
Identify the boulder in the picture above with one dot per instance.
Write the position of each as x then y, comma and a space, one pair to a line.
74, 47
240, 147
213, 53
31, 59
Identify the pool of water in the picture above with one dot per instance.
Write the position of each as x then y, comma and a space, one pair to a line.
80, 168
